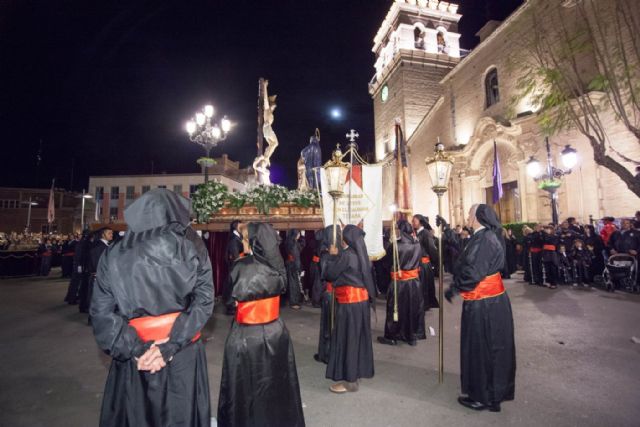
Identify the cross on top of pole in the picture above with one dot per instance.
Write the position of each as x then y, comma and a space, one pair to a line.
352, 135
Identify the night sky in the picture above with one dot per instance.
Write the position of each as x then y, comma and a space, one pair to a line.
107, 86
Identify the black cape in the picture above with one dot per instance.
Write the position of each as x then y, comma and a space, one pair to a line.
427, 270
410, 324
161, 266
259, 384
351, 352
324, 336
294, 246
487, 347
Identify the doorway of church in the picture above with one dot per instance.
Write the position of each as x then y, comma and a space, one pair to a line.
509, 207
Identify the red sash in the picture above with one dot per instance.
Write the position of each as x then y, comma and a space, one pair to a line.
491, 286
315, 258
291, 258
329, 287
350, 294
549, 247
425, 260
535, 250
155, 328
405, 274
259, 311
69, 254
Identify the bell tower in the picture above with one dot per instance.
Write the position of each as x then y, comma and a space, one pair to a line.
415, 47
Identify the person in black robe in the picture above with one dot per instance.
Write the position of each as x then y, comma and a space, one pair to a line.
487, 346
535, 243
103, 238
405, 304
315, 273
581, 259
428, 261
78, 275
293, 246
595, 245
234, 251
327, 305
382, 266
45, 252
153, 295
550, 242
565, 267
512, 254
259, 385
351, 353
67, 257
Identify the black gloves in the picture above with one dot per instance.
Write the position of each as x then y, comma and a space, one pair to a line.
449, 294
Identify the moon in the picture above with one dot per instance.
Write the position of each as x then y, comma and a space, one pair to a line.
336, 113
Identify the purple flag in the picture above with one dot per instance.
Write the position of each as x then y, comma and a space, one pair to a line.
497, 177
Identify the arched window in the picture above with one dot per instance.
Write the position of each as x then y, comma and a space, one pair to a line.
492, 93
418, 37
442, 45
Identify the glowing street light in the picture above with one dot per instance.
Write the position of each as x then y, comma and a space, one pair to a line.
205, 132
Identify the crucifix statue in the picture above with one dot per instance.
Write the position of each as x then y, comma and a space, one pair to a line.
265, 110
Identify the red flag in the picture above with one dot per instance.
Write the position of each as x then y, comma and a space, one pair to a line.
51, 211
403, 188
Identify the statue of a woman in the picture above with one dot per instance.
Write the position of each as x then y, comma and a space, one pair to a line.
261, 167
303, 185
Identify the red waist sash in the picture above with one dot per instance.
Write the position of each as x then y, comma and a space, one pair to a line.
315, 258
155, 328
491, 286
329, 287
535, 250
405, 274
350, 294
425, 260
69, 254
48, 253
549, 247
259, 311
290, 258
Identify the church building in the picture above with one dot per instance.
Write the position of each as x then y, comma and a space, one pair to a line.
466, 100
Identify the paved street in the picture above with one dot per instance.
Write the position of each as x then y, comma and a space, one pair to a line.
577, 365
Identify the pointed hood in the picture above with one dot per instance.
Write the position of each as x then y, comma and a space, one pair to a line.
157, 208
354, 237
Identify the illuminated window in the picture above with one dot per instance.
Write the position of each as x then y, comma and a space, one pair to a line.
492, 92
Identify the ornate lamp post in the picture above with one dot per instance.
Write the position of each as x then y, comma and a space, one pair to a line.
205, 132
336, 171
439, 170
550, 180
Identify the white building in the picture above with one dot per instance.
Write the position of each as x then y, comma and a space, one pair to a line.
422, 78
114, 193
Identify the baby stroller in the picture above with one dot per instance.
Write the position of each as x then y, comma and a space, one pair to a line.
621, 272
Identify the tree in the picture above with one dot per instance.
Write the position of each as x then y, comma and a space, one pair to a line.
582, 60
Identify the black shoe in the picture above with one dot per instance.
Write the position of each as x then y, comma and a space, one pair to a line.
472, 404
494, 407
412, 343
387, 341
316, 357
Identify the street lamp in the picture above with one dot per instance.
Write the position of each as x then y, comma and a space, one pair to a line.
336, 172
30, 203
84, 196
439, 170
551, 180
205, 132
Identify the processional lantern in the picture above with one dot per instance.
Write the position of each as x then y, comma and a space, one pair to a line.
336, 173
439, 170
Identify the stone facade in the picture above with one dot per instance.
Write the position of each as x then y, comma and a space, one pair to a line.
468, 127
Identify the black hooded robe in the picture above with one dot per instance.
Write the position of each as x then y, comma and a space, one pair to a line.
161, 266
293, 265
324, 336
351, 352
487, 347
427, 270
315, 272
259, 385
410, 324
